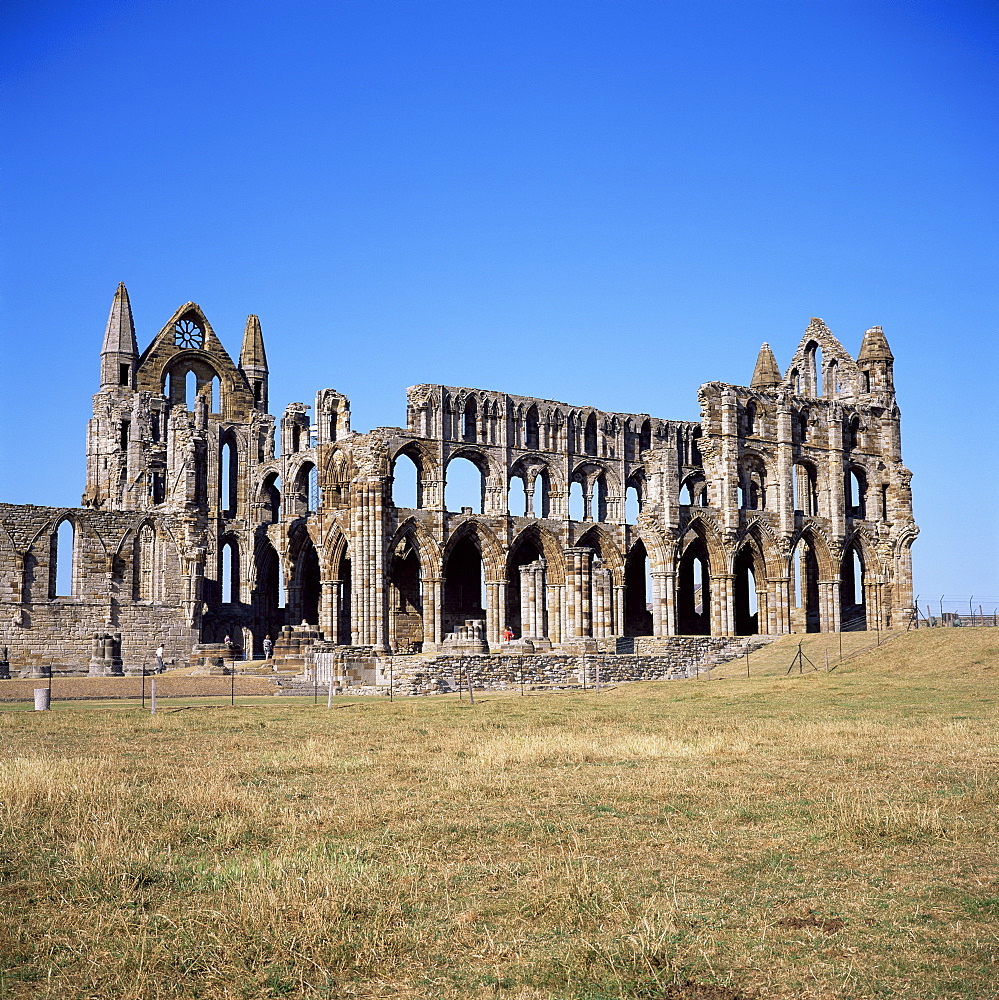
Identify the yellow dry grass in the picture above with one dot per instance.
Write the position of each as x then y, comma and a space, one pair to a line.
813, 836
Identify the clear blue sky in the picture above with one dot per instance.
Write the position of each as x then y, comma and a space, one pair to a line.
605, 203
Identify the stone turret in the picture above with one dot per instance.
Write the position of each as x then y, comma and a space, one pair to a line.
875, 362
119, 353
766, 374
253, 361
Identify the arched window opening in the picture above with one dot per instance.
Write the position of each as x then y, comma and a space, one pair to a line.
645, 437
794, 377
856, 494
803, 426
577, 504
463, 585
229, 478
632, 505
637, 592
694, 591
853, 592
63, 561
144, 564
190, 390
344, 619
216, 398
469, 419
267, 599
747, 618
832, 379
743, 497
542, 494
526, 591
865, 381
296, 437
406, 599
819, 381
307, 581
686, 495
405, 483
804, 588
853, 434
750, 418
590, 435
464, 486
600, 499
532, 437
805, 495
229, 572
271, 494
315, 495
695, 449
282, 590
517, 497
884, 503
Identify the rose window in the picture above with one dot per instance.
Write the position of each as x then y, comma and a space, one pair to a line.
187, 333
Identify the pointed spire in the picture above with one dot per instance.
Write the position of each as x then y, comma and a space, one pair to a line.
766, 374
252, 355
119, 353
875, 347
119, 337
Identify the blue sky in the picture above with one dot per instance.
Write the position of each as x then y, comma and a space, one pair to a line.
605, 203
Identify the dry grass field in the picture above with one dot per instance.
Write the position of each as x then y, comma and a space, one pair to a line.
813, 836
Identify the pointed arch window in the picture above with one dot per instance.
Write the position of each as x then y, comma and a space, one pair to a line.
62, 561
590, 435
229, 572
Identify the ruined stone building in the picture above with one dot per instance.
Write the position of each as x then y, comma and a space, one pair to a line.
786, 508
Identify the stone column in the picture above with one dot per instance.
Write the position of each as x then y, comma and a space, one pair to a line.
554, 612
329, 611
785, 469
579, 619
619, 608
669, 588
495, 610
432, 600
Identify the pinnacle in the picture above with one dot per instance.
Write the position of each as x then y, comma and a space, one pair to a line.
766, 374
119, 337
252, 354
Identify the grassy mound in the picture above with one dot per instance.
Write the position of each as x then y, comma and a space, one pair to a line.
808, 836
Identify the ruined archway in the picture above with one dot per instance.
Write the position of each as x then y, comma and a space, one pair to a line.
637, 592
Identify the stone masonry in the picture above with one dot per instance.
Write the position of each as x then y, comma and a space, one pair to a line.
785, 508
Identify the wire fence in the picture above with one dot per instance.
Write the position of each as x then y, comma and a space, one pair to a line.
948, 611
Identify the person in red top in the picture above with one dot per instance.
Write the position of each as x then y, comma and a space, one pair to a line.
507, 634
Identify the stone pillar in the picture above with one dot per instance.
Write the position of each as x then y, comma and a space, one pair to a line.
554, 594
579, 618
495, 610
619, 607
669, 586
785, 469
432, 605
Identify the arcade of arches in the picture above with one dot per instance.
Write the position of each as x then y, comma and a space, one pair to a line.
785, 507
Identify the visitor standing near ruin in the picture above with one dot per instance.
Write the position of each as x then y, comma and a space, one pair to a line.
268, 648
159, 658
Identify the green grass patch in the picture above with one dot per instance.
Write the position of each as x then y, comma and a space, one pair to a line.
817, 836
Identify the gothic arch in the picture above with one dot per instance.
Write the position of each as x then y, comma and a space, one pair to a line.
608, 548
493, 559
550, 548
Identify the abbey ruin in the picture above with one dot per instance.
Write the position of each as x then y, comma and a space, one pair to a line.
786, 508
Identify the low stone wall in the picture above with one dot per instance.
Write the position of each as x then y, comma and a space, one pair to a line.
60, 632
674, 658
